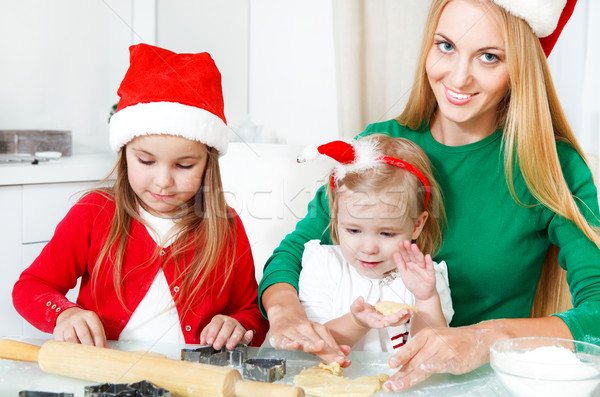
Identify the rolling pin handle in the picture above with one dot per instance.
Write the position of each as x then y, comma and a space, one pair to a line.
18, 351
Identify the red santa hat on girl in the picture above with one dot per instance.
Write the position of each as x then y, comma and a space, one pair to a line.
168, 93
547, 18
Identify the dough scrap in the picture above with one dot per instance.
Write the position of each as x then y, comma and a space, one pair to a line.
333, 368
387, 308
327, 380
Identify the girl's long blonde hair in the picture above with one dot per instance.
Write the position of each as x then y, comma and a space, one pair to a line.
206, 224
412, 191
532, 120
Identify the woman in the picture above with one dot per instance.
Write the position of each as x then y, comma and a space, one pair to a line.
484, 109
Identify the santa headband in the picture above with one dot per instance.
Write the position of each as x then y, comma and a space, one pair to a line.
168, 93
547, 18
360, 156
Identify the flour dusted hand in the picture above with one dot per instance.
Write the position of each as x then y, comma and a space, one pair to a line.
441, 350
225, 331
76, 325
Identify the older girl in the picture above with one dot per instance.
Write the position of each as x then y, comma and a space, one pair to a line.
160, 255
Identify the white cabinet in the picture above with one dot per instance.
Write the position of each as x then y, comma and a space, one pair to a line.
10, 265
29, 214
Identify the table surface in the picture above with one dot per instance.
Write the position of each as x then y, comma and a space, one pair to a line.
17, 376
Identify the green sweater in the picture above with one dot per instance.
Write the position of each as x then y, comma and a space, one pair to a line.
494, 247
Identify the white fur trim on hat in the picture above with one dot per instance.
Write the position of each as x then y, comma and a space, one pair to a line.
541, 15
168, 118
366, 158
309, 153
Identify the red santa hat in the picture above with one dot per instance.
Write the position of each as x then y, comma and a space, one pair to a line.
168, 93
547, 18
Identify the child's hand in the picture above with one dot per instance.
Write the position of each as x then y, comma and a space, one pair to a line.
416, 270
76, 325
224, 329
366, 316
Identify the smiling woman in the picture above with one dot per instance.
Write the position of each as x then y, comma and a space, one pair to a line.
466, 69
514, 182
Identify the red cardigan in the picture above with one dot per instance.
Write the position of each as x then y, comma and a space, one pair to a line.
39, 294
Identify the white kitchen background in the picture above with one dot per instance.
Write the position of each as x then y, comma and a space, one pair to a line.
62, 61
288, 64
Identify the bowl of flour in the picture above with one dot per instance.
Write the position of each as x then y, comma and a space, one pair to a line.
532, 367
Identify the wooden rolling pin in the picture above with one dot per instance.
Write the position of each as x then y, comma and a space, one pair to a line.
182, 378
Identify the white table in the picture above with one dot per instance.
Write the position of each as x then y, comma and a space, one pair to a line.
17, 376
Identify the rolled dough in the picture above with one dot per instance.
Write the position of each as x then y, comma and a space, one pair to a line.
387, 308
327, 380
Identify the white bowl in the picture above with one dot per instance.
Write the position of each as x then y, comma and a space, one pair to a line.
531, 367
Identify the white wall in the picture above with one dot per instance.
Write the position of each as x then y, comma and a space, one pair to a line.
574, 64
63, 60
219, 28
292, 86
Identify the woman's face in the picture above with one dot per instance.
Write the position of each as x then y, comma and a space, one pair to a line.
466, 65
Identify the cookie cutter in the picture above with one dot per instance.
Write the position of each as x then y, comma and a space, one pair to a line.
139, 389
258, 369
209, 355
264, 369
30, 393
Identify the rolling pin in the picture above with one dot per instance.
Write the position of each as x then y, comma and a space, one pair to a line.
182, 378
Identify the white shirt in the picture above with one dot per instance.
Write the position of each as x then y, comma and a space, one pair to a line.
328, 285
155, 318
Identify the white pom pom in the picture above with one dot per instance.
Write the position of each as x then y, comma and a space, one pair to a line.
308, 154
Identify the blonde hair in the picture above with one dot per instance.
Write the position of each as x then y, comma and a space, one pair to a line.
412, 197
532, 120
206, 224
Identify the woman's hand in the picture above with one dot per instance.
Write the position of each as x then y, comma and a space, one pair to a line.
416, 270
462, 349
366, 316
291, 329
439, 350
76, 325
225, 331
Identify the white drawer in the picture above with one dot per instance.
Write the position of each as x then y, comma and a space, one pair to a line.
45, 205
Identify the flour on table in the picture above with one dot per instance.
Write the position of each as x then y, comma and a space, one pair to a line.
327, 380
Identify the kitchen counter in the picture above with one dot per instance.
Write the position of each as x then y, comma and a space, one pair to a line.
17, 376
76, 168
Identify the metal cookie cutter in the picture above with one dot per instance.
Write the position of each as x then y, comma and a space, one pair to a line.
139, 389
28, 393
208, 355
259, 369
264, 369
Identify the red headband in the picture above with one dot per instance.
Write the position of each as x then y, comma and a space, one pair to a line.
412, 169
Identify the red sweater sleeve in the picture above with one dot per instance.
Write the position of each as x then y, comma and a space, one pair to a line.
243, 301
39, 294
